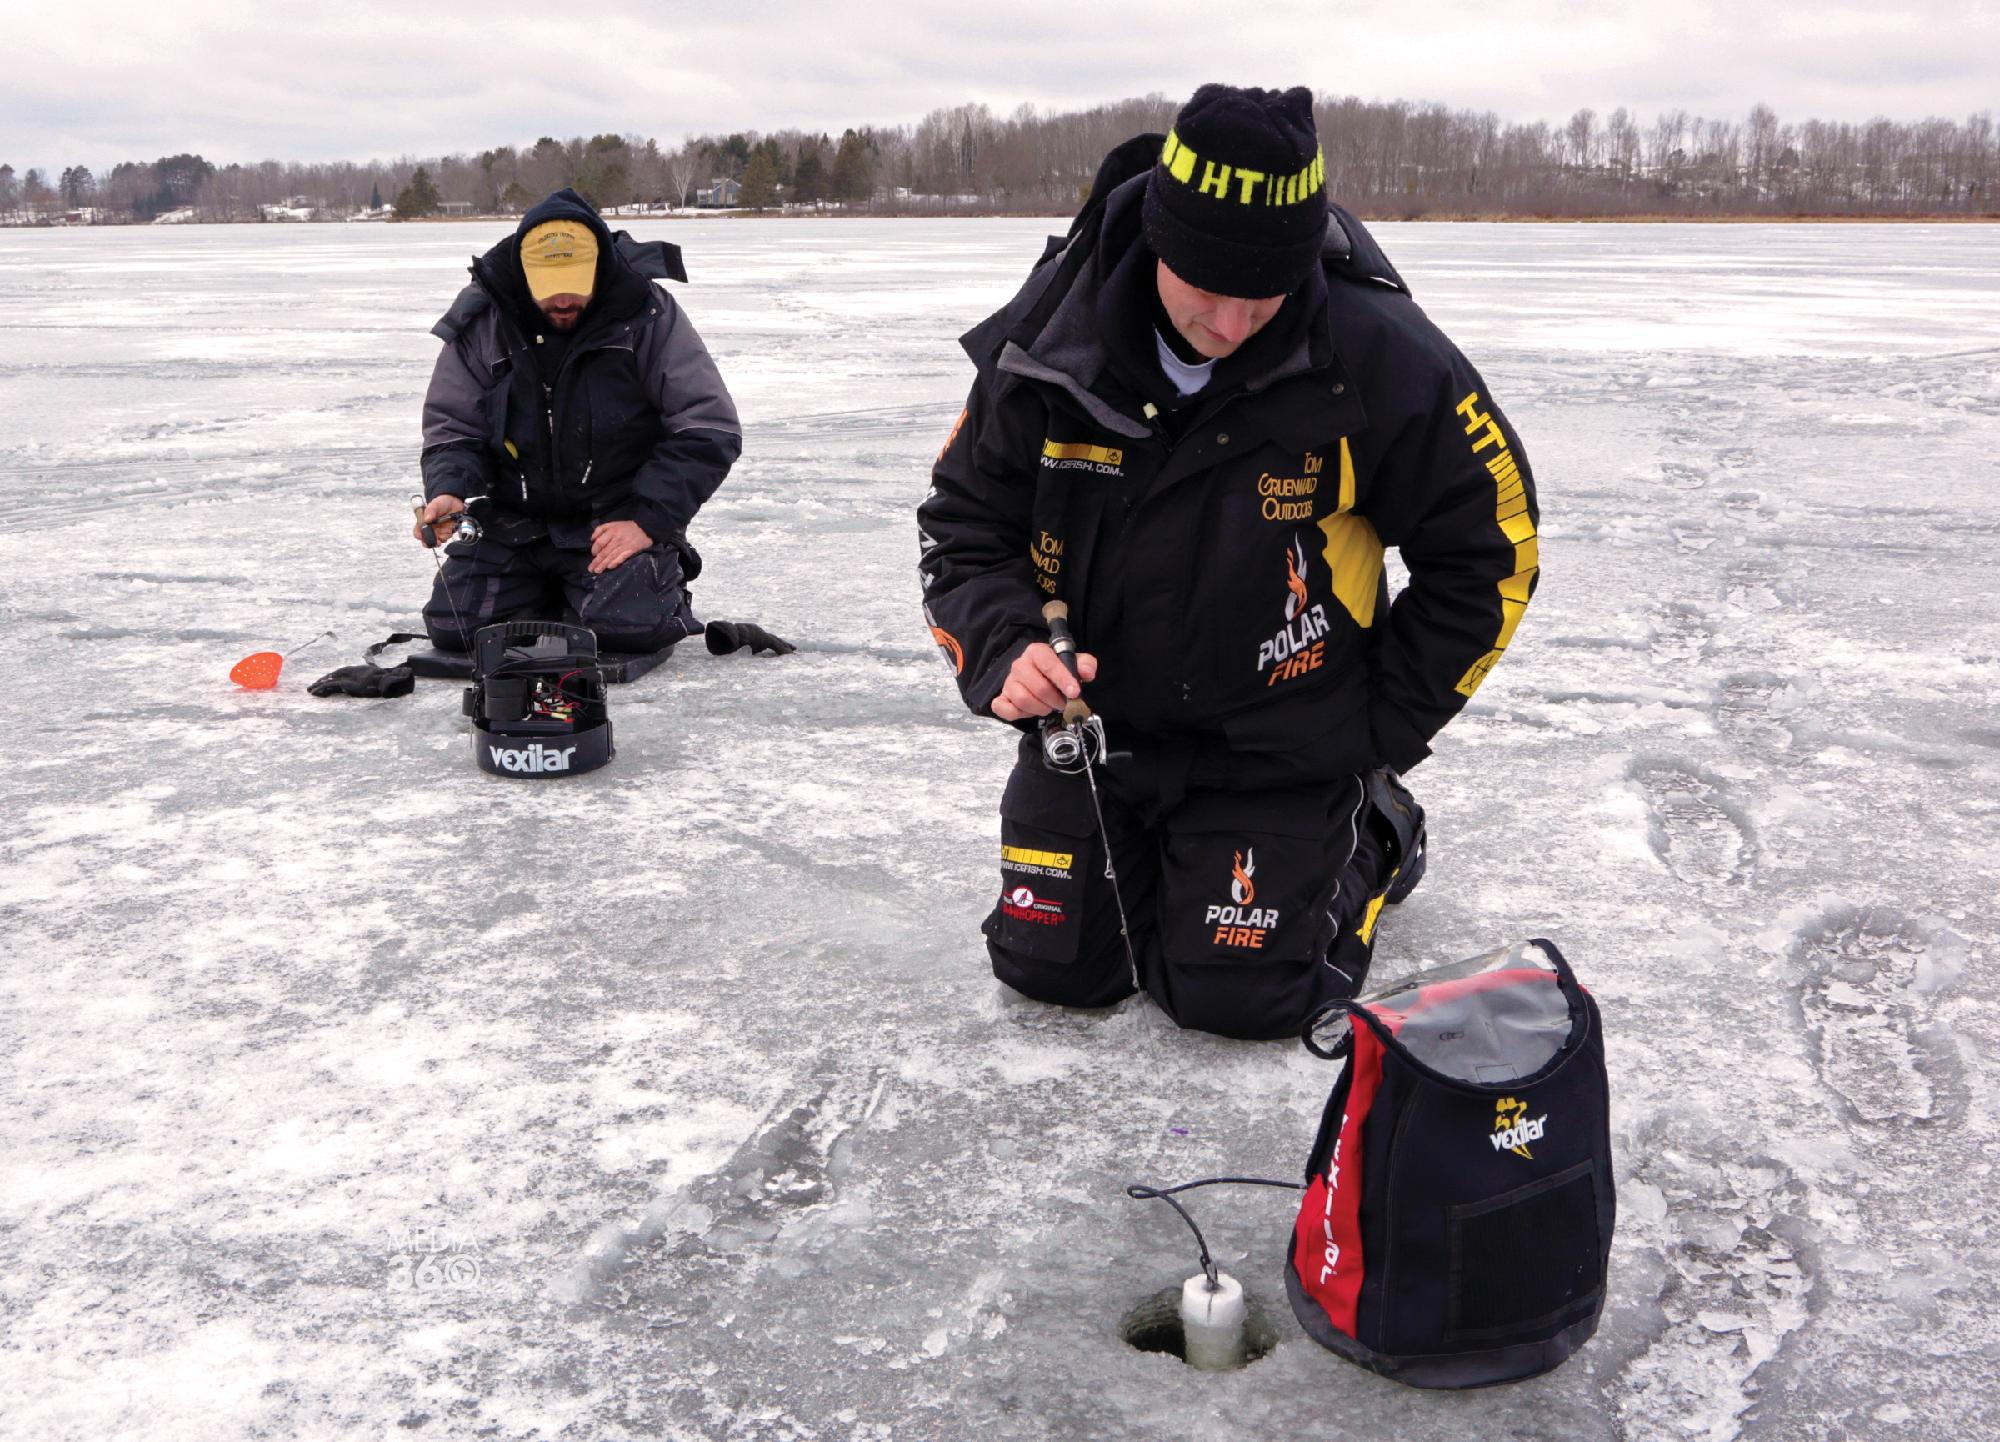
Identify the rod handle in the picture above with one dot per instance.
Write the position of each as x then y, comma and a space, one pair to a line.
1056, 613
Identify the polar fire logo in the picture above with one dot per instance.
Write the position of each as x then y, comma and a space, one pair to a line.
1243, 924
1295, 579
1299, 647
1242, 890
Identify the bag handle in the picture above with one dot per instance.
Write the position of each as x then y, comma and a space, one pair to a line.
1351, 1007
1340, 1047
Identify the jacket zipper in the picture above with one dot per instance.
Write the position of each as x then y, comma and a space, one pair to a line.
549, 410
549, 415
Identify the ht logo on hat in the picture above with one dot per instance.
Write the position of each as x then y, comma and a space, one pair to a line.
1240, 183
1236, 203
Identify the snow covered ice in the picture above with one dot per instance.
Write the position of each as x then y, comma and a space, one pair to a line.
354, 1093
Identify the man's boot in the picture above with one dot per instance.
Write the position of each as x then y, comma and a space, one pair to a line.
1401, 831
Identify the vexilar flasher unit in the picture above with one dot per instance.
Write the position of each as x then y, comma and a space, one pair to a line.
537, 700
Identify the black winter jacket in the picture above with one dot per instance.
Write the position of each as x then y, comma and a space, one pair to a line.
633, 424
1224, 559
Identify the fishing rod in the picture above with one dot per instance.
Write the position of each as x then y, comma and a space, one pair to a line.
467, 526
1076, 743
466, 529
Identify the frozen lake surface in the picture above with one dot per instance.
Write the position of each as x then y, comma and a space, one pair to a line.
353, 1093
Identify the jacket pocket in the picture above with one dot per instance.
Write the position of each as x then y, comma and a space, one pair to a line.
1049, 852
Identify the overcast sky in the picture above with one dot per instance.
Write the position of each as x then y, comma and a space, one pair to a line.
97, 83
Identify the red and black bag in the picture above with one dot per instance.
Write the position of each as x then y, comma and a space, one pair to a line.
1459, 1206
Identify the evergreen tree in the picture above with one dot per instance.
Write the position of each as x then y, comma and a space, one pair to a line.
375, 197
516, 198
853, 169
35, 191
781, 164
809, 173
546, 168
730, 155
179, 177
420, 197
604, 174
492, 165
760, 183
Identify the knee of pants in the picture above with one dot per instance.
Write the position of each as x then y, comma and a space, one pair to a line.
1253, 1003
640, 605
445, 631
1095, 978
1272, 997
613, 638
1246, 917
1054, 932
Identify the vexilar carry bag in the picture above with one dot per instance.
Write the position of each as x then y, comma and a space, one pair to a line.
1458, 1209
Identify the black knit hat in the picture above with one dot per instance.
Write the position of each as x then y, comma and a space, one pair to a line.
1237, 202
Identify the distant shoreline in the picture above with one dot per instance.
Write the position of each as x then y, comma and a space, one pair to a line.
1662, 218
1438, 218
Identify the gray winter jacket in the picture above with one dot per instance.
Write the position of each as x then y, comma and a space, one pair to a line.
635, 424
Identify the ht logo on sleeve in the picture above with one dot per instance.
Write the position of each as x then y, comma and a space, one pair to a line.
1242, 923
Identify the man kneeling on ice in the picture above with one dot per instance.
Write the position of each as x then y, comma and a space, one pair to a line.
1198, 425
575, 407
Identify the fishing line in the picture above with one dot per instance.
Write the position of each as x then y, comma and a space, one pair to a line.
427, 533
1077, 743
1110, 871
259, 670
1139, 1192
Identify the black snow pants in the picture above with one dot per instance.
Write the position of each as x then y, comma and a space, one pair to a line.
1249, 908
524, 569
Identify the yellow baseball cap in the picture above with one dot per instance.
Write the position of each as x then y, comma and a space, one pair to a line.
559, 257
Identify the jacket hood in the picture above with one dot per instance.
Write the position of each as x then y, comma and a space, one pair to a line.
626, 269
565, 204
500, 268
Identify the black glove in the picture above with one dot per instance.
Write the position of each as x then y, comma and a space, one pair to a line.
367, 679
723, 637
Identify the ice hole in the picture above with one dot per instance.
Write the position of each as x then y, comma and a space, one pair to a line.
1155, 1326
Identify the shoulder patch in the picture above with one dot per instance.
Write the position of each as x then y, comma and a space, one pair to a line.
1083, 455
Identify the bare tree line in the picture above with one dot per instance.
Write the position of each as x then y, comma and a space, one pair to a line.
1395, 159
